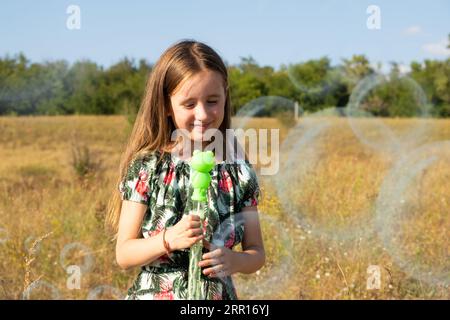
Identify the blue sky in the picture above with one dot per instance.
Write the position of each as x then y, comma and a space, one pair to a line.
272, 32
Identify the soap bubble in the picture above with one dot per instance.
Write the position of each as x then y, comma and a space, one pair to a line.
278, 275
372, 131
39, 284
395, 206
88, 258
300, 156
105, 290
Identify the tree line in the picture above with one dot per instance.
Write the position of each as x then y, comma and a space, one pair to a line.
58, 88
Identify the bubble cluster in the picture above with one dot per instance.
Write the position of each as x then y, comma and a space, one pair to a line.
392, 210
301, 152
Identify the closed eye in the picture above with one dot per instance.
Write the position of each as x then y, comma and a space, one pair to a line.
192, 105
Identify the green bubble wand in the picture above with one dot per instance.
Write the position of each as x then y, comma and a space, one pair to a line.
201, 165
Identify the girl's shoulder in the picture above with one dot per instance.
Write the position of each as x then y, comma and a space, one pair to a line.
246, 170
247, 174
248, 183
136, 184
141, 164
147, 160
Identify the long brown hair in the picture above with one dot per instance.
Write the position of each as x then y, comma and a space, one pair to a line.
152, 128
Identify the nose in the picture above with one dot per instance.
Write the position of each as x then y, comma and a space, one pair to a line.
201, 112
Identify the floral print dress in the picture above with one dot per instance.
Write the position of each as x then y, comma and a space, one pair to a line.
164, 187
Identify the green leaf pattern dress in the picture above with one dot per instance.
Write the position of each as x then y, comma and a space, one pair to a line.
164, 187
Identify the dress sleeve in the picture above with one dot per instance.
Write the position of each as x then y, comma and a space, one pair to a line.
136, 186
249, 186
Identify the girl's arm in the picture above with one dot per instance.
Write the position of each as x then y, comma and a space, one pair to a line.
252, 257
132, 251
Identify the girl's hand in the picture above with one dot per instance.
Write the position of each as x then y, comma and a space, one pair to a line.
219, 260
185, 233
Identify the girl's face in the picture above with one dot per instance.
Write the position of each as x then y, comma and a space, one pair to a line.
199, 104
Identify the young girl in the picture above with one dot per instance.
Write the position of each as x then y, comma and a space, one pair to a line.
188, 89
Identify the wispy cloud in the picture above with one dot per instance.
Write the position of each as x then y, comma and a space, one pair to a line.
413, 30
437, 48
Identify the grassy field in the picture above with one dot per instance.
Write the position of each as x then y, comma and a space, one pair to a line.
49, 213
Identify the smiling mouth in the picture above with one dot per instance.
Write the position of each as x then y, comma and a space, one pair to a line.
202, 126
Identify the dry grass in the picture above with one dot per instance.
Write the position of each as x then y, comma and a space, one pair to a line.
46, 205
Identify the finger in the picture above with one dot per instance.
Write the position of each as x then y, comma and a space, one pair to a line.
209, 262
220, 274
213, 269
212, 254
194, 240
195, 224
194, 217
194, 232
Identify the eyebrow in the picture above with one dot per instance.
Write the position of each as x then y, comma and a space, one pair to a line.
210, 96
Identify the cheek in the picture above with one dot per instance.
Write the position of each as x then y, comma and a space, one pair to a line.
220, 114
183, 118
